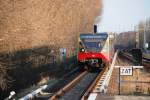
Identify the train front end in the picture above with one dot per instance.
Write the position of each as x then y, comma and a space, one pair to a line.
93, 50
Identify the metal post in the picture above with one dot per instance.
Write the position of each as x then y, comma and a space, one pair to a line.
119, 81
144, 37
109, 47
95, 29
145, 26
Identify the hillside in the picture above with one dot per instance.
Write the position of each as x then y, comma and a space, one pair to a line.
31, 29
27, 24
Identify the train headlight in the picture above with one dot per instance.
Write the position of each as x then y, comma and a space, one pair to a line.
83, 50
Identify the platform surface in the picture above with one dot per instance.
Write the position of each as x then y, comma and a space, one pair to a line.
100, 97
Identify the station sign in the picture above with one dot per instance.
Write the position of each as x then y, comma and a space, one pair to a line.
126, 71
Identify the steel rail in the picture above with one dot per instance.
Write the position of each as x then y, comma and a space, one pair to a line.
105, 82
86, 94
145, 62
62, 91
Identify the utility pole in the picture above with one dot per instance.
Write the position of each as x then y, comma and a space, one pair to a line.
136, 37
145, 27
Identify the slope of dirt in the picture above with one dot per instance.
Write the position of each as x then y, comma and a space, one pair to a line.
30, 29
28, 23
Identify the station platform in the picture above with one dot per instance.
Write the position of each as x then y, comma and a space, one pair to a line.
118, 97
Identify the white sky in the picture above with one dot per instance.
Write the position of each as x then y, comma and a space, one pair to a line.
123, 15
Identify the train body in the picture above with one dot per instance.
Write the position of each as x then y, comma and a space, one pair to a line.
95, 50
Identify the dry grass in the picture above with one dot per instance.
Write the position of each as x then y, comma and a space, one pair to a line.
29, 24
132, 88
133, 83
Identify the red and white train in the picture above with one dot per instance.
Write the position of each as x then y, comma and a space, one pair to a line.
95, 50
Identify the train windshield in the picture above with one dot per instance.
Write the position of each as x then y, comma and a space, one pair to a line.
93, 43
94, 46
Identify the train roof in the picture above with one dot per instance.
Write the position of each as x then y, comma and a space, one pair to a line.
97, 35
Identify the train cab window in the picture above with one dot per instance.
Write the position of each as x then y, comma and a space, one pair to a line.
92, 42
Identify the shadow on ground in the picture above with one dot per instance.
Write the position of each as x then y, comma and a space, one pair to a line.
26, 68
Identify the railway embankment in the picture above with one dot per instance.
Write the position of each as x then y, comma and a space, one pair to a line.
33, 31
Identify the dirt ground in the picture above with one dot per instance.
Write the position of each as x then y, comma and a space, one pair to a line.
137, 84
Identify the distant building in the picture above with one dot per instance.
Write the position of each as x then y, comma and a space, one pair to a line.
148, 39
141, 42
126, 40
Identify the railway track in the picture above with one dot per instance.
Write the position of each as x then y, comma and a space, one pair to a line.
75, 89
51, 87
72, 86
94, 86
66, 88
100, 84
145, 62
80, 87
